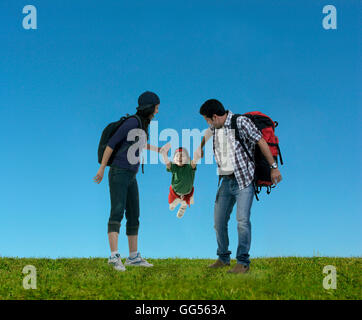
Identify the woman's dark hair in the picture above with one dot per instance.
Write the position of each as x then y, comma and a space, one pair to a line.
211, 107
144, 116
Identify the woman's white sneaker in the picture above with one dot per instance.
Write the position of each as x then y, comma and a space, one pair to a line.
138, 261
116, 262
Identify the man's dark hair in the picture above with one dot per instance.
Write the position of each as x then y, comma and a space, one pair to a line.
211, 107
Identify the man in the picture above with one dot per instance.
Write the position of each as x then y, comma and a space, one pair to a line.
237, 173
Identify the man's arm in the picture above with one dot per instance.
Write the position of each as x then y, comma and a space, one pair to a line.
199, 153
248, 128
276, 177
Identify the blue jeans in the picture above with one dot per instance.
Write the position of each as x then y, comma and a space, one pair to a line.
227, 194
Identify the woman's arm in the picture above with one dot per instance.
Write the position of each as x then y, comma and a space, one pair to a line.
199, 153
152, 148
106, 155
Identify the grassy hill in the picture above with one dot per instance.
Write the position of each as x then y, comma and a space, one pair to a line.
269, 278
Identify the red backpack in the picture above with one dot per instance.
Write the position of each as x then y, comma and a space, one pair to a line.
262, 168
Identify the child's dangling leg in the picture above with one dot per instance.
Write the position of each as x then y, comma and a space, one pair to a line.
173, 199
174, 203
192, 199
182, 209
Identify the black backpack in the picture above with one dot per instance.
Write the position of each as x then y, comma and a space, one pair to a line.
107, 134
262, 169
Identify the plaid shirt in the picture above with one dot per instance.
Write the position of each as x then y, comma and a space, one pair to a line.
243, 167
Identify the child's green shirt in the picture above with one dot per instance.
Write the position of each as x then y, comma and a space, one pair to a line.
182, 178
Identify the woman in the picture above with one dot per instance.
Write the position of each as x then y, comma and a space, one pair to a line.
123, 184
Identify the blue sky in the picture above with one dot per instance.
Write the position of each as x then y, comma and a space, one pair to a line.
85, 66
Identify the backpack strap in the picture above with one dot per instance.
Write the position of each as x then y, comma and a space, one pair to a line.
126, 145
141, 126
279, 152
237, 134
138, 119
280, 155
234, 126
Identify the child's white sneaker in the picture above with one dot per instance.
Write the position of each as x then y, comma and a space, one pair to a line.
174, 203
138, 261
116, 262
182, 209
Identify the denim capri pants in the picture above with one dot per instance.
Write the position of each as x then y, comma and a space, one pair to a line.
124, 195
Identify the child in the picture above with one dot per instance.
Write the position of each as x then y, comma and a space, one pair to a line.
183, 175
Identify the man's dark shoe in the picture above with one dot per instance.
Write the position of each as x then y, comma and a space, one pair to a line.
239, 268
218, 264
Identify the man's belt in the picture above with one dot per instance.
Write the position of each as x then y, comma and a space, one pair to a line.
229, 176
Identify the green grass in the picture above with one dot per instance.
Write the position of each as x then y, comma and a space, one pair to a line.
269, 278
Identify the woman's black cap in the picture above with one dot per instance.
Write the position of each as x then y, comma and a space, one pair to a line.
147, 99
